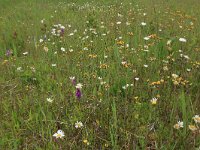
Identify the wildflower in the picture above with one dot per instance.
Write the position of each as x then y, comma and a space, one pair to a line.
78, 93
128, 23
175, 76
41, 40
146, 66
154, 101
169, 42
42, 21
46, 49
182, 40
137, 79
19, 68
73, 80
59, 134
118, 22
188, 69
25, 53
79, 86
192, 127
86, 142
78, 124
143, 24
49, 100
85, 48
106, 145
8, 52
178, 125
62, 49
53, 65
102, 83
146, 38
71, 50
196, 118
165, 68
123, 62
124, 87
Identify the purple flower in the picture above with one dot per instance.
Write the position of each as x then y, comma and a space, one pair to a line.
74, 81
8, 52
62, 32
78, 93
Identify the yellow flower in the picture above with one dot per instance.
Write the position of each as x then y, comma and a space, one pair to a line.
4, 62
192, 127
86, 142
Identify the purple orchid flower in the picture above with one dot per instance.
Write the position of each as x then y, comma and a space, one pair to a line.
78, 93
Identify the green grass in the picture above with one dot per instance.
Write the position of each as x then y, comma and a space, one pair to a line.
114, 115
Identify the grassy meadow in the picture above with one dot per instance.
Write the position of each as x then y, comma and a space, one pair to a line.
100, 75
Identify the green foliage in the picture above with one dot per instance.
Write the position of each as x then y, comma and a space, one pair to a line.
101, 44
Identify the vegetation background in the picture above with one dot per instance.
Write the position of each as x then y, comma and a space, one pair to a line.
105, 50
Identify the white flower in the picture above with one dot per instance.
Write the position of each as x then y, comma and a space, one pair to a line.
62, 49
118, 22
146, 38
143, 23
102, 83
188, 69
182, 40
169, 42
123, 62
154, 101
78, 124
71, 78
50, 100
196, 118
178, 125
100, 78
41, 40
71, 34
146, 66
175, 76
19, 68
165, 68
124, 87
128, 23
59, 134
79, 86
71, 50
53, 65
62, 27
186, 56
25, 53
85, 48
42, 21
136, 79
